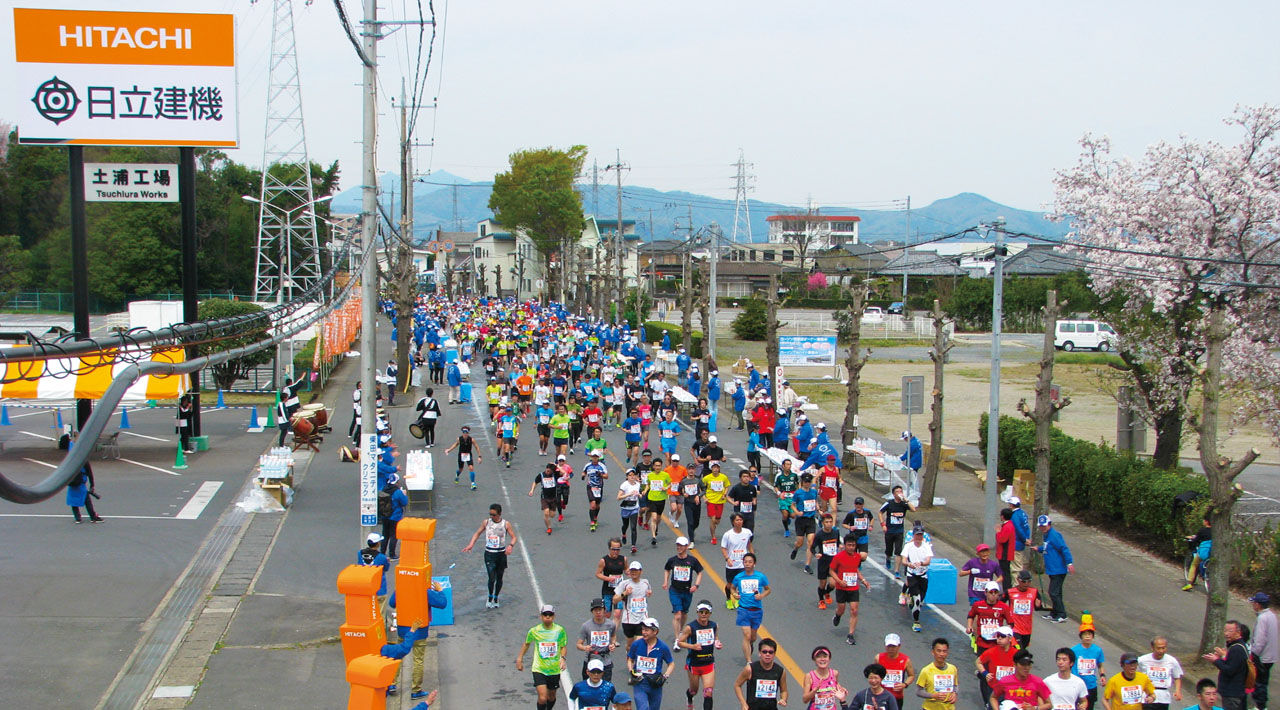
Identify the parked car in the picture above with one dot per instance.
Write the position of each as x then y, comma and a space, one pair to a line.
896, 307
1092, 334
873, 314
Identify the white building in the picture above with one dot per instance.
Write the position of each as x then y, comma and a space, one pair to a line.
824, 231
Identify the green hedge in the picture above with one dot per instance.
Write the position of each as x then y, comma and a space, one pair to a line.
654, 328
1113, 490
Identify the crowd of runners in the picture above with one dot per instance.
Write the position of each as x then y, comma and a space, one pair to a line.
565, 380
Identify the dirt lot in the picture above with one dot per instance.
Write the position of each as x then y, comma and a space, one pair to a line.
1091, 415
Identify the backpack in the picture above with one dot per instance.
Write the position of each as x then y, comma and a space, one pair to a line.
384, 502
1250, 671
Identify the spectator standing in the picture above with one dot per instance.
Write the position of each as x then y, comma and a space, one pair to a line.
1022, 535
1231, 664
1057, 564
1264, 647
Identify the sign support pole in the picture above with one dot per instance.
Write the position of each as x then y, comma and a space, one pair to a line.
190, 271
79, 264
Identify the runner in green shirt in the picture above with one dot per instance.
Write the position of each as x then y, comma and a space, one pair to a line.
550, 643
659, 484
786, 483
560, 429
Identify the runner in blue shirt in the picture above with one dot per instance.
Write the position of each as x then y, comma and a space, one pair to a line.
631, 427
668, 430
804, 511
650, 661
749, 590
594, 473
544, 413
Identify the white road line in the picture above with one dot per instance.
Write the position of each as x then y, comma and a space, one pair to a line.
566, 680
113, 517
196, 505
42, 463
38, 436
147, 465
144, 436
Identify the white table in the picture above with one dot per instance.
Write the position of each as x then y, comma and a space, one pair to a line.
777, 456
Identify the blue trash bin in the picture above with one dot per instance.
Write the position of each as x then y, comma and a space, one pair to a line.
451, 355
464, 391
443, 617
942, 582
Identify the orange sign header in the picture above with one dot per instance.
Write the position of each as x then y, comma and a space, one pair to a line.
108, 37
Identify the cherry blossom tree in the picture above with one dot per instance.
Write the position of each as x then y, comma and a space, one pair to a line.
1191, 231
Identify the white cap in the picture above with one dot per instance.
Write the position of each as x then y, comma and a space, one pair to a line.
650, 622
713, 437
373, 537
993, 586
561, 457
675, 457
595, 664
704, 605
822, 425
1015, 500
715, 373
906, 435
1004, 631
682, 540
635, 564
548, 609
892, 640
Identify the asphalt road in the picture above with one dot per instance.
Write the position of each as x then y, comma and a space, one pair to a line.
76, 599
478, 653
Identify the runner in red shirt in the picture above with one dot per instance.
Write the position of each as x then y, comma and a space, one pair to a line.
899, 671
846, 573
996, 662
1024, 599
1028, 691
987, 615
829, 485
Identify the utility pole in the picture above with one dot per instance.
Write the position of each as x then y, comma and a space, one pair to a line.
619, 249
907, 242
595, 188
369, 275
993, 413
714, 234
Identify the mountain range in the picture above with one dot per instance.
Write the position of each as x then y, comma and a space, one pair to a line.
445, 201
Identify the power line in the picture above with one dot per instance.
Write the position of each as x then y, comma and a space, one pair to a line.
346, 28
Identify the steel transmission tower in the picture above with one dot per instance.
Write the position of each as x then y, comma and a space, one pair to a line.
287, 243
741, 208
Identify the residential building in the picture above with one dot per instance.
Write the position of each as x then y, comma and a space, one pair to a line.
822, 231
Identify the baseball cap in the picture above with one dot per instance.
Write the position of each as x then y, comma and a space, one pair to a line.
621, 698
682, 540
1024, 574
561, 457
597, 603
548, 609
982, 546
906, 434
635, 564
1261, 598
675, 457
859, 501
1128, 657
596, 453
1004, 631
650, 622
993, 586
373, 537
831, 457
821, 425
892, 640
1044, 520
1015, 501
595, 664
713, 437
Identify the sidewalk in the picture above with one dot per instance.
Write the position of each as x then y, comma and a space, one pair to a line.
266, 636
1133, 596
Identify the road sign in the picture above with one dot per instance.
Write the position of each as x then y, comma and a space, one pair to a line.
369, 478
912, 394
88, 77
807, 350
131, 182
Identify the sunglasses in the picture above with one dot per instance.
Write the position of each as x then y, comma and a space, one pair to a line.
766, 653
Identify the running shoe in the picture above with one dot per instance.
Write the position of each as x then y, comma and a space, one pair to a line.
1187, 588
593, 527
653, 542
835, 620
633, 549
731, 604
457, 480
786, 533
850, 640
391, 689
808, 569
418, 694
473, 486
676, 523
822, 605
916, 627
548, 531
794, 550
714, 542
1048, 617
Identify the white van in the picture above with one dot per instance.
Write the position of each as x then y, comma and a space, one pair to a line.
1092, 334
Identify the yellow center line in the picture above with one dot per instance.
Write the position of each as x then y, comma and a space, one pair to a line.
781, 656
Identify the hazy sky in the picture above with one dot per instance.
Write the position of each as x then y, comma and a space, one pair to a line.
849, 103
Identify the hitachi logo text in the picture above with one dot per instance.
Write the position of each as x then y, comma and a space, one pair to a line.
135, 38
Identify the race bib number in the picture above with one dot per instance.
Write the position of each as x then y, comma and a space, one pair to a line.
825, 699
1131, 694
705, 637
646, 665
596, 491
508, 427
704, 418
464, 457
1002, 671
749, 586
599, 639
850, 579
544, 419
892, 677
766, 689
830, 482
1160, 676
860, 523
987, 629
829, 548
1087, 666
979, 584
655, 485
1063, 706
634, 429
944, 683
548, 483
1022, 607
638, 607
691, 489
747, 507
548, 649
492, 542
668, 434
809, 505
896, 518
735, 556
680, 574
717, 486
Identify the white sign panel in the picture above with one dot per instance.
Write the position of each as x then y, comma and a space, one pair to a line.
89, 77
131, 182
369, 479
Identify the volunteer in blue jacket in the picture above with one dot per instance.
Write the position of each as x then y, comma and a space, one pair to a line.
666, 341
399, 503
913, 457
682, 364
1057, 564
454, 376
1022, 536
739, 401
412, 636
